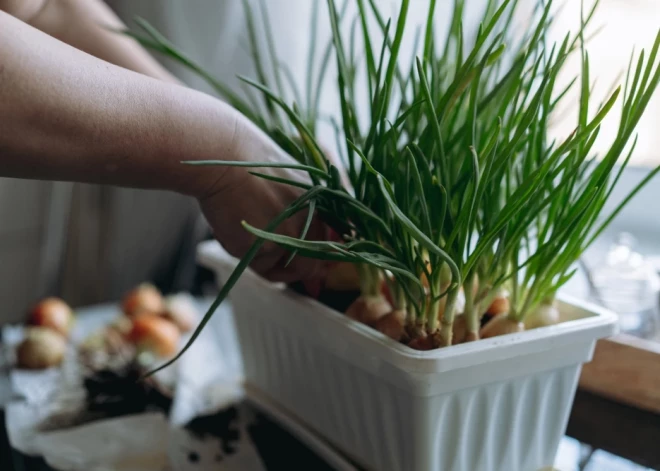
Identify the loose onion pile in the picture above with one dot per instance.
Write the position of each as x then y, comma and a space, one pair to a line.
154, 324
46, 336
149, 323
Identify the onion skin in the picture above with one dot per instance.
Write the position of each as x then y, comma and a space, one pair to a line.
368, 309
422, 343
343, 276
501, 325
500, 305
392, 324
386, 293
42, 348
181, 310
52, 313
155, 334
543, 316
144, 299
459, 330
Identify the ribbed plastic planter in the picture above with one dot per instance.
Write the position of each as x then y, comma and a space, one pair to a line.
496, 404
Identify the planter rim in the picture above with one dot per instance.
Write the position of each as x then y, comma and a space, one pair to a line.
598, 323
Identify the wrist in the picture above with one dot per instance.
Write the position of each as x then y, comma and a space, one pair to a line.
214, 132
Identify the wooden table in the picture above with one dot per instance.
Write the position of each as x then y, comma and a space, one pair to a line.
622, 430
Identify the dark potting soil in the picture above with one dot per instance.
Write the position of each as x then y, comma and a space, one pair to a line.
241, 429
115, 393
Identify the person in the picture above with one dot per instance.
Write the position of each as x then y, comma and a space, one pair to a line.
81, 103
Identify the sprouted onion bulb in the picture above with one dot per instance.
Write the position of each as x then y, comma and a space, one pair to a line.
501, 324
544, 315
392, 324
368, 309
500, 305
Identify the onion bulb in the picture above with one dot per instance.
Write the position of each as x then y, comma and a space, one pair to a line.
155, 334
500, 305
459, 330
501, 324
544, 315
181, 310
41, 348
422, 343
343, 276
392, 324
368, 309
144, 299
385, 292
54, 314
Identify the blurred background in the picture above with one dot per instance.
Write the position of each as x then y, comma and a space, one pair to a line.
89, 243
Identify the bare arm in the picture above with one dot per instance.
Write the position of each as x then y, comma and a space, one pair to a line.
65, 115
84, 24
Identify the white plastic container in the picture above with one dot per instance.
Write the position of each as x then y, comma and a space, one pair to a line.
497, 404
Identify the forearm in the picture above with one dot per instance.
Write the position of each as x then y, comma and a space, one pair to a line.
85, 25
65, 115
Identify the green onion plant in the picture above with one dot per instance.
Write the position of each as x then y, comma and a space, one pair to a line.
457, 193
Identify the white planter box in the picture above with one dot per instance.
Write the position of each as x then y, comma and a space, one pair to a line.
497, 404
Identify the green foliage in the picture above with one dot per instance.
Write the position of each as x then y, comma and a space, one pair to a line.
454, 165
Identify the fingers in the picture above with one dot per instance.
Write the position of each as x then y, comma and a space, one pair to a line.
310, 271
307, 270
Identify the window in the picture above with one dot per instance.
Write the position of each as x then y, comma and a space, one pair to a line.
619, 26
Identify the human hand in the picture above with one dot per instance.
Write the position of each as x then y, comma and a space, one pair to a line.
230, 195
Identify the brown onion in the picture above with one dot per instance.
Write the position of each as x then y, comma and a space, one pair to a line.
368, 309
155, 334
392, 324
422, 343
144, 299
542, 316
500, 305
181, 310
501, 324
459, 330
42, 348
54, 314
